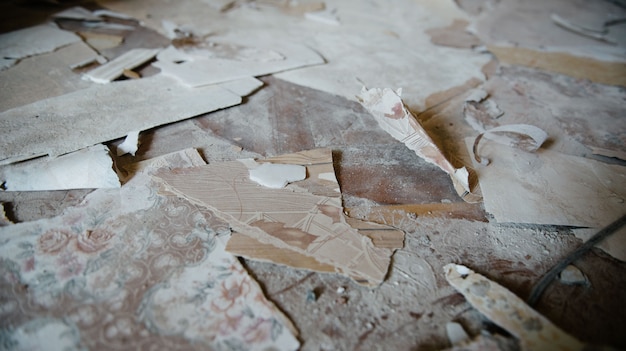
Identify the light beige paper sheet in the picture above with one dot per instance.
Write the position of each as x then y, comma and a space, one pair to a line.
547, 187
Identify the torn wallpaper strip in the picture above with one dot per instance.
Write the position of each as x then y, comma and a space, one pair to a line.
534, 331
394, 117
296, 219
521, 136
154, 265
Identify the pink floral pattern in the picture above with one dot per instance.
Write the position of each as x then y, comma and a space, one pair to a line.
157, 277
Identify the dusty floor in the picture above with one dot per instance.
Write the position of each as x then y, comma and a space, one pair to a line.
383, 181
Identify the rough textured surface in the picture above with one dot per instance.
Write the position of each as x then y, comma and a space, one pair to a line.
384, 181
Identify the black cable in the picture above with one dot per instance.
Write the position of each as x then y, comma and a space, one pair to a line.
578, 253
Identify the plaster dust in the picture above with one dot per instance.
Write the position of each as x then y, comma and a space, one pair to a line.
411, 308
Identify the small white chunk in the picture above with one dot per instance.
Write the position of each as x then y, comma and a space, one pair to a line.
130, 144
456, 333
572, 276
462, 270
277, 176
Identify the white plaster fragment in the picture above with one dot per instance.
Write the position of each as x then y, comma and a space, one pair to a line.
130, 144
89, 168
324, 16
4, 220
476, 95
456, 333
277, 176
572, 276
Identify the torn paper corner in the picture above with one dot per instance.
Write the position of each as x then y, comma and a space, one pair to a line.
129, 145
394, 117
507, 310
89, 168
276, 176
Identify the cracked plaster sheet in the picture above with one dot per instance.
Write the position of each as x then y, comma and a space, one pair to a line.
534, 331
45, 76
298, 218
89, 168
393, 117
115, 68
506, 24
34, 40
215, 62
131, 269
101, 113
378, 43
547, 187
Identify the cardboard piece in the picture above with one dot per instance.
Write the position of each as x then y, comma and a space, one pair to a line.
73, 121
154, 265
90, 168
508, 311
303, 219
549, 188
